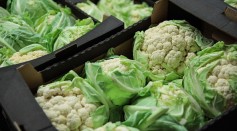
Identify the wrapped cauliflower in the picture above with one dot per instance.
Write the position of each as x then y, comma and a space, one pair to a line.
70, 106
166, 49
211, 78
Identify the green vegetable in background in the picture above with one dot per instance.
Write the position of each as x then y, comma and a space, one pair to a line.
148, 112
125, 10
118, 78
3, 12
50, 26
167, 48
91, 9
27, 53
211, 78
5, 53
15, 34
71, 33
31, 10
231, 2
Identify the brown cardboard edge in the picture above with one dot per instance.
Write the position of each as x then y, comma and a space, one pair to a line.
160, 10
231, 13
32, 77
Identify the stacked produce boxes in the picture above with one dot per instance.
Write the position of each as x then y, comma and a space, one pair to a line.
160, 73
44, 30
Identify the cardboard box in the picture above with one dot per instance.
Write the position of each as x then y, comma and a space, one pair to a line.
227, 13
74, 2
105, 29
22, 110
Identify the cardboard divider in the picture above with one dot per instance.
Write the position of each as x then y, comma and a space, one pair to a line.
160, 11
19, 108
224, 28
31, 76
231, 13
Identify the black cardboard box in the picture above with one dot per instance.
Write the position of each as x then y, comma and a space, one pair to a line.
105, 29
228, 13
22, 110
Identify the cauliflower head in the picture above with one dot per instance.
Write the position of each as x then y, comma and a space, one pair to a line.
72, 33
115, 127
67, 107
211, 78
118, 78
167, 48
182, 106
27, 53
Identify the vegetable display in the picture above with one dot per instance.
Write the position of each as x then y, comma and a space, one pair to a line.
37, 24
166, 49
177, 80
118, 93
232, 3
125, 10
211, 78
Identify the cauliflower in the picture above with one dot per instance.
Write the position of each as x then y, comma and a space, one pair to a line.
168, 47
68, 108
27, 53
165, 105
72, 33
232, 3
113, 127
125, 10
117, 78
219, 80
211, 78
19, 58
62, 106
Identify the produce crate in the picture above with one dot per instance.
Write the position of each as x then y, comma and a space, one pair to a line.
22, 111
103, 30
148, 2
225, 9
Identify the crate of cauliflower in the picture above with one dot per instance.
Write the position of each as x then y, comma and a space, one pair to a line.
167, 73
37, 28
128, 11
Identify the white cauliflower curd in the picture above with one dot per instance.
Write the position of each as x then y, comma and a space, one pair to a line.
67, 108
169, 46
